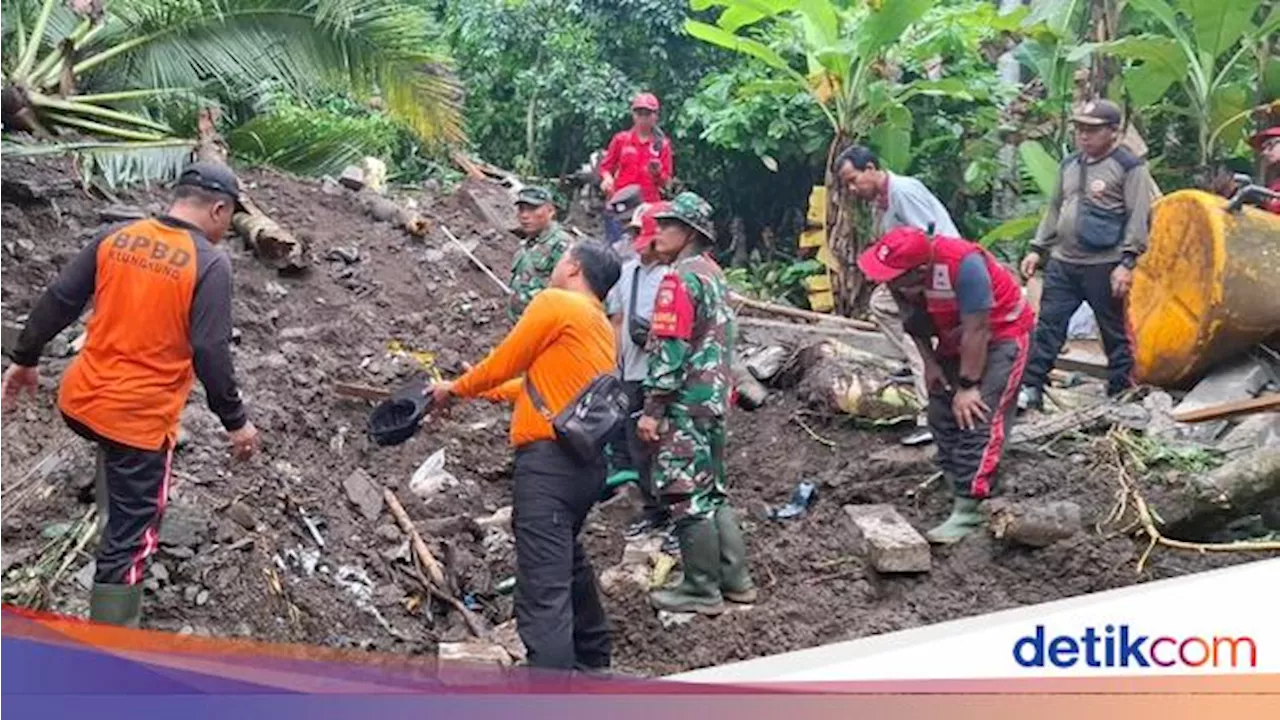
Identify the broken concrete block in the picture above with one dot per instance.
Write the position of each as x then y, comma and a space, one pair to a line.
352, 178
1239, 381
464, 663
889, 541
364, 494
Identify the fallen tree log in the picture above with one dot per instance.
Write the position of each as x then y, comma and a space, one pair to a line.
1083, 419
385, 210
268, 240
799, 333
1230, 490
1037, 524
836, 379
800, 314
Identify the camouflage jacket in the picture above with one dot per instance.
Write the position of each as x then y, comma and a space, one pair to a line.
531, 271
691, 341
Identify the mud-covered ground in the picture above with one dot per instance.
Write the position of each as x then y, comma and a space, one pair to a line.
237, 559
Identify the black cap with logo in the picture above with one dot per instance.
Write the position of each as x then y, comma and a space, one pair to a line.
214, 177
1098, 112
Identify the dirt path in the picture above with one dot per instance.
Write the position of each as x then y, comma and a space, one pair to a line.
237, 560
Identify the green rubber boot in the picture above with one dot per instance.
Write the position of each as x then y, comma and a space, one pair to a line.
963, 520
116, 604
735, 579
699, 589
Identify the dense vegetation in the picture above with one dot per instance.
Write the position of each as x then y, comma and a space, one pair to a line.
969, 95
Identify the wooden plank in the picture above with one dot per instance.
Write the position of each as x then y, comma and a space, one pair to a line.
1263, 403
363, 392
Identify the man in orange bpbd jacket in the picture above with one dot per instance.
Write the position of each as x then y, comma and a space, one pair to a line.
161, 294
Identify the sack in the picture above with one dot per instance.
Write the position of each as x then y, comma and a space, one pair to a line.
589, 421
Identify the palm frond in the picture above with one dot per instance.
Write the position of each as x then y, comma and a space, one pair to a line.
366, 47
307, 143
118, 163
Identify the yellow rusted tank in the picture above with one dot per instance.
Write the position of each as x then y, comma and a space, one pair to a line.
1207, 289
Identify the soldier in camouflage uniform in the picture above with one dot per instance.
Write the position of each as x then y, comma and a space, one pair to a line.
545, 241
687, 392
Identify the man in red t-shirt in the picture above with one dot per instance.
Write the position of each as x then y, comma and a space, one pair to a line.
1267, 144
640, 156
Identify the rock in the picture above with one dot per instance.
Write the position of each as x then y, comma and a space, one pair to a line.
202, 598
889, 541
639, 550
189, 593
275, 289
352, 178
766, 363
364, 494
624, 580
480, 653
242, 515
1253, 431
184, 525
671, 619
294, 333
388, 532
329, 186
433, 256
506, 636
1239, 381
160, 572
53, 531
180, 553
151, 584
387, 594
84, 576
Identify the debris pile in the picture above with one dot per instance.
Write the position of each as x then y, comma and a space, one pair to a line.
327, 538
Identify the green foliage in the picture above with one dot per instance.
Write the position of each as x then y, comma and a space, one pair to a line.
778, 281
1150, 453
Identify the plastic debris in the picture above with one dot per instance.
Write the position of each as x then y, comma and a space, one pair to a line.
505, 586
430, 477
801, 498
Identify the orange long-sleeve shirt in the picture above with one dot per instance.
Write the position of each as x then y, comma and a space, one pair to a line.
561, 343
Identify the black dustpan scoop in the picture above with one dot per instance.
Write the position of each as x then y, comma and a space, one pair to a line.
396, 419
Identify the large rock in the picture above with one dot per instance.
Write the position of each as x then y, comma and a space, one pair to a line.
364, 494
888, 540
184, 525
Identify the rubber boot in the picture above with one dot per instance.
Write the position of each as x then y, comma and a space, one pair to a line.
963, 520
699, 589
735, 579
116, 604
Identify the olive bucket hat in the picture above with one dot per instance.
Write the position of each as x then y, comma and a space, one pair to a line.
690, 209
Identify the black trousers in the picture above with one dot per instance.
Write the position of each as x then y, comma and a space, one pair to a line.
632, 453
1066, 285
557, 602
137, 489
969, 459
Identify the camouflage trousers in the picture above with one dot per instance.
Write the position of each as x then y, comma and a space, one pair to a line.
688, 466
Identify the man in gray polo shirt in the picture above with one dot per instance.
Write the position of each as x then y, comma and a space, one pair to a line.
898, 201
630, 305
1095, 229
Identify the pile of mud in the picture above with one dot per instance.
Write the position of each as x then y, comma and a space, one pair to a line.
237, 560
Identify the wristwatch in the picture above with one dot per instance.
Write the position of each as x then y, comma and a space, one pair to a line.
967, 383
1129, 261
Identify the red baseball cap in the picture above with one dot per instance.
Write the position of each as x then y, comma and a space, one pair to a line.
645, 101
645, 221
1264, 136
900, 250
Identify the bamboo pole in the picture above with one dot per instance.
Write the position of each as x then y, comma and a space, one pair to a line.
801, 314
420, 548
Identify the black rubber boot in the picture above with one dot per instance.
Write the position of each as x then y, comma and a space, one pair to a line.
699, 589
735, 579
116, 604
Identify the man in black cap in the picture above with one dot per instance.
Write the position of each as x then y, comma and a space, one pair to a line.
544, 243
161, 295
1095, 229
